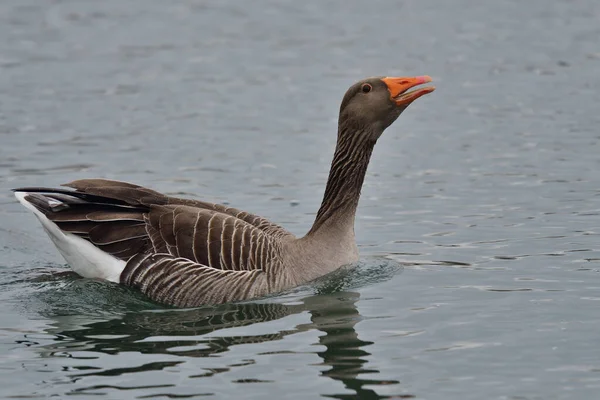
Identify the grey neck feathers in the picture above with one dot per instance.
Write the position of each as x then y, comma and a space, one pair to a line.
348, 169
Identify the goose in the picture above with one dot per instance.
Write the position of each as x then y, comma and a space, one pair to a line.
187, 253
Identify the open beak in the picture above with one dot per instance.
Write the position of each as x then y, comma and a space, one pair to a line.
398, 88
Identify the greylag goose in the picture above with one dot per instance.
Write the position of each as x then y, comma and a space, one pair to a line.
188, 253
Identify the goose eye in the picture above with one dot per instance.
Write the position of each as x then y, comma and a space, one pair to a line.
366, 88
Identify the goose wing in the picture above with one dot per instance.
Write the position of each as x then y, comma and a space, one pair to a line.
138, 195
125, 220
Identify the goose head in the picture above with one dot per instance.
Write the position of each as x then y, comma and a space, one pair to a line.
373, 104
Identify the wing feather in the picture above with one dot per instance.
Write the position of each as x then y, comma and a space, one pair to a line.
183, 283
137, 195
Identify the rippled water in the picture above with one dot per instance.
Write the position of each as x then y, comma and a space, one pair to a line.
478, 227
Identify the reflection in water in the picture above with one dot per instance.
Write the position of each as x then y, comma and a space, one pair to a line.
112, 338
343, 349
182, 333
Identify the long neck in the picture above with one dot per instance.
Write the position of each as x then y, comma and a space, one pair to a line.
348, 169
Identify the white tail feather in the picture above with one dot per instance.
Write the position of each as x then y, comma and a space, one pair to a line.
86, 259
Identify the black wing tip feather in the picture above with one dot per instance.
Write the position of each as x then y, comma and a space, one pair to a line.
74, 193
40, 189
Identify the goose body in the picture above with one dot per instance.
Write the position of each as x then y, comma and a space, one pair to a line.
187, 252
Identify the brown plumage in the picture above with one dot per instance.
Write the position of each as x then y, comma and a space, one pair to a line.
187, 252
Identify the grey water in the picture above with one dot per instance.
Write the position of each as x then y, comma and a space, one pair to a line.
478, 226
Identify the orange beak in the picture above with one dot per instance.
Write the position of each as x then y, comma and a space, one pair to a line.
399, 86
